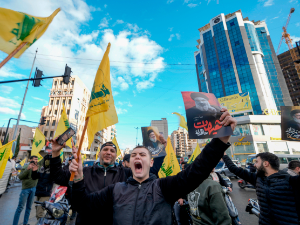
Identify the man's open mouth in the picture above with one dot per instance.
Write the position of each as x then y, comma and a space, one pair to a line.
138, 167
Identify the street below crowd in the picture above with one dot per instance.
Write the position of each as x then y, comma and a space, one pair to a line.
9, 203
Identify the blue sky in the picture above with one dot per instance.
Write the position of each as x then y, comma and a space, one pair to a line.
145, 37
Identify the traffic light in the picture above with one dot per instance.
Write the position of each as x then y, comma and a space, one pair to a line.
43, 120
67, 75
38, 74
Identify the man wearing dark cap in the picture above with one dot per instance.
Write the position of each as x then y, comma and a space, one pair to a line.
126, 160
97, 177
293, 124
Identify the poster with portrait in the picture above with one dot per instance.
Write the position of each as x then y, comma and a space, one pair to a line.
203, 112
290, 123
154, 141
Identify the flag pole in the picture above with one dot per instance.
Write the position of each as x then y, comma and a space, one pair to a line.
12, 54
79, 150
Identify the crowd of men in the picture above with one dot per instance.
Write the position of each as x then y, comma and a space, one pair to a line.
132, 193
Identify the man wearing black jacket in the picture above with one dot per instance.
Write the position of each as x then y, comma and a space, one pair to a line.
44, 185
144, 199
277, 192
96, 177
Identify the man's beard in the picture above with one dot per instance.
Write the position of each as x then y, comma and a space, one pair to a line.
153, 139
296, 120
261, 171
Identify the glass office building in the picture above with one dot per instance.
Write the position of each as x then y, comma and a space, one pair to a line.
236, 55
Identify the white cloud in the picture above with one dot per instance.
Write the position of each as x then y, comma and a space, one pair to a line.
7, 71
35, 110
170, 1
294, 38
124, 103
40, 99
7, 102
293, 1
118, 22
276, 17
170, 29
67, 37
11, 112
268, 2
105, 6
192, 5
104, 23
186, 1
6, 89
177, 36
121, 111
179, 107
144, 85
298, 24
171, 37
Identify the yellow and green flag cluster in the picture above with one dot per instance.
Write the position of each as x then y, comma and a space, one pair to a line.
182, 121
61, 155
5, 151
170, 165
38, 143
101, 111
62, 126
196, 152
18, 27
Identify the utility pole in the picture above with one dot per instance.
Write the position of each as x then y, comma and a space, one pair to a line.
136, 135
16, 129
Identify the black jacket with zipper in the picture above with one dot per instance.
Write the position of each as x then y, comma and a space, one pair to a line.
149, 202
278, 195
96, 178
45, 183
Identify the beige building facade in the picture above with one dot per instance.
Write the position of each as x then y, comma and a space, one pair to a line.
75, 97
182, 145
162, 126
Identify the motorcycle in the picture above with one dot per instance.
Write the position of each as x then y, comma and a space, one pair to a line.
57, 208
243, 184
231, 208
253, 207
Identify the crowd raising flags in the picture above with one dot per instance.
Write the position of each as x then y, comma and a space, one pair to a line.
20, 30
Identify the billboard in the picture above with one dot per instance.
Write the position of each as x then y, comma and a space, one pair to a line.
236, 104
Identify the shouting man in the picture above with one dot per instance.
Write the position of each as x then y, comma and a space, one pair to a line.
144, 199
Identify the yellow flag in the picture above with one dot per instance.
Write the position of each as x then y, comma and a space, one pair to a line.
117, 146
62, 126
97, 153
4, 154
23, 162
39, 157
18, 27
83, 157
182, 121
38, 142
170, 166
101, 111
196, 152
61, 155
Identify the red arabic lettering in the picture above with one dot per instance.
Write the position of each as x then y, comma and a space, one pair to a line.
207, 126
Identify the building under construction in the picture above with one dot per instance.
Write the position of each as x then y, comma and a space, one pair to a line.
290, 74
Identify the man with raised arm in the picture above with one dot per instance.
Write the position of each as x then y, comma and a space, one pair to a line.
98, 176
144, 199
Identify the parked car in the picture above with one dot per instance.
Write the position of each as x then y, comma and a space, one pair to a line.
222, 169
227, 179
87, 163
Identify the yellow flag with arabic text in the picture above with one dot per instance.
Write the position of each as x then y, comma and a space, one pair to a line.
170, 165
18, 27
38, 143
101, 112
4, 155
196, 152
62, 126
182, 121
117, 146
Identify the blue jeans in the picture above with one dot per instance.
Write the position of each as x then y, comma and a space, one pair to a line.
26, 196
